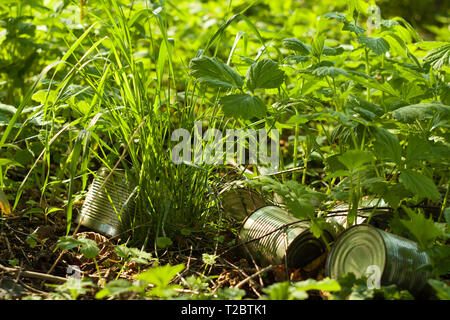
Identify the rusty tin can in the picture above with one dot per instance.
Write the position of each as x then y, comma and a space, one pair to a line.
362, 249
107, 204
274, 236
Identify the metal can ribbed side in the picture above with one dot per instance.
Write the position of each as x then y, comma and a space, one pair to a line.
107, 203
363, 247
403, 259
273, 236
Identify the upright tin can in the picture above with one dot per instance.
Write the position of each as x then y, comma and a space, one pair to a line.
274, 236
107, 203
364, 249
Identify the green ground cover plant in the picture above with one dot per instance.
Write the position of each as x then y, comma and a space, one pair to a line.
359, 94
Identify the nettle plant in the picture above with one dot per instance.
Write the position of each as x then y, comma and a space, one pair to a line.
370, 114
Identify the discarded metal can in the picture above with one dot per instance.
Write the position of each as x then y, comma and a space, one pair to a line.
239, 203
107, 204
364, 249
274, 236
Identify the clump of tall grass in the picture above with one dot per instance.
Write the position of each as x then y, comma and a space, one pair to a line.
131, 109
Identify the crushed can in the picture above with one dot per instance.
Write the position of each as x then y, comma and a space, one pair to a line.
108, 203
381, 256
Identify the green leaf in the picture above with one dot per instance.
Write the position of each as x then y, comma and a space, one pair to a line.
353, 28
114, 288
354, 159
67, 243
297, 46
329, 71
387, 145
281, 291
442, 289
9, 162
326, 284
447, 215
341, 17
243, 106
424, 230
421, 111
161, 275
215, 73
89, 248
209, 259
378, 45
163, 242
328, 51
7, 109
439, 57
264, 74
419, 184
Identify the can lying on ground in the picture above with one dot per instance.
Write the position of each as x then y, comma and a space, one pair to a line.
364, 248
107, 204
273, 236
239, 203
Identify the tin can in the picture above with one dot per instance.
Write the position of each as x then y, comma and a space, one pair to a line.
239, 203
373, 212
107, 204
363, 249
274, 236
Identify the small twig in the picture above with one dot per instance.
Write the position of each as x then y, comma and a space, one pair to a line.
240, 284
32, 289
33, 274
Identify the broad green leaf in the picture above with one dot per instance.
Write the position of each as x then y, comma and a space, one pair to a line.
7, 109
297, 45
341, 17
447, 215
163, 242
387, 145
215, 73
419, 184
264, 74
439, 57
326, 284
354, 159
442, 289
44, 95
89, 248
421, 111
366, 107
378, 45
243, 106
328, 51
329, 71
282, 291
353, 28
372, 83
114, 288
67, 243
424, 230
9, 162
161, 275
